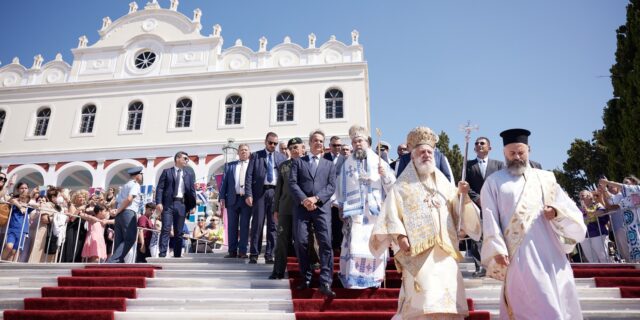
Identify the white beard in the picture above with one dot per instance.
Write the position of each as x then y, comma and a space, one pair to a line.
425, 169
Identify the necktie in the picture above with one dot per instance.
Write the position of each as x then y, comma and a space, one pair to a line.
483, 167
177, 187
242, 176
270, 168
314, 165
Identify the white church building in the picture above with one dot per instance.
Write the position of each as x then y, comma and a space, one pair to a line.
153, 84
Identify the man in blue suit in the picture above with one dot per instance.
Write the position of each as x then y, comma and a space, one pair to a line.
312, 182
259, 187
175, 196
232, 196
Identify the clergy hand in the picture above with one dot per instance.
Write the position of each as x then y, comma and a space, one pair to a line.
381, 171
549, 212
463, 187
502, 260
403, 242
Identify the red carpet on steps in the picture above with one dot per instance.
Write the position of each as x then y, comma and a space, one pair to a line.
352, 304
623, 276
91, 293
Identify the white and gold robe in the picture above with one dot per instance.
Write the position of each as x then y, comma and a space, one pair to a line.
539, 281
432, 286
360, 193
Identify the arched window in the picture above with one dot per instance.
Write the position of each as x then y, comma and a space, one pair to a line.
134, 121
183, 113
233, 110
88, 119
3, 115
42, 122
284, 104
333, 104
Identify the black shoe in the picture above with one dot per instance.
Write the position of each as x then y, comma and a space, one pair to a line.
269, 261
326, 291
231, 255
243, 256
304, 285
480, 273
253, 260
275, 276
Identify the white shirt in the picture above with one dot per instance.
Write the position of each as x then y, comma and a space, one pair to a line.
131, 188
275, 172
180, 193
241, 171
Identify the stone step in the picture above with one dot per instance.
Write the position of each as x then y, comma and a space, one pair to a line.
214, 279
591, 314
208, 315
198, 304
583, 292
587, 304
247, 294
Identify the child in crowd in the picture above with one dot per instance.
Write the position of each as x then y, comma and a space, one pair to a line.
94, 246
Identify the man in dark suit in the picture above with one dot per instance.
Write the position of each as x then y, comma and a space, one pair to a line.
260, 185
402, 150
478, 170
232, 197
313, 181
284, 209
335, 146
175, 197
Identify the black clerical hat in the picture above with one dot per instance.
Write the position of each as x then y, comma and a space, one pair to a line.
515, 136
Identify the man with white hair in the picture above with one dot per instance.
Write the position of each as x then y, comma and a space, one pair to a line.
422, 215
362, 181
529, 225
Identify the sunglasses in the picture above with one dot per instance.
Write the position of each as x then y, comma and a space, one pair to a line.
336, 145
482, 143
272, 143
3, 179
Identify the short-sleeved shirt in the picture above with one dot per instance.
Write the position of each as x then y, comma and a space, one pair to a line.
145, 222
131, 188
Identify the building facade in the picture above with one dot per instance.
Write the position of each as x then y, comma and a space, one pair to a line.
153, 84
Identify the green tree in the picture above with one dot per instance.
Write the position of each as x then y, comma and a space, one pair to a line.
586, 163
614, 150
453, 154
621, 117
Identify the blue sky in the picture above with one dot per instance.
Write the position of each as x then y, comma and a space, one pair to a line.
540, 65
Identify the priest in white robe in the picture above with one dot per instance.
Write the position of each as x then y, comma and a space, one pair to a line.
362, 182
421, 218
529, 226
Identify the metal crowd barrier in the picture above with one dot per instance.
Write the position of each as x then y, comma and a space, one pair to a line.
60, 250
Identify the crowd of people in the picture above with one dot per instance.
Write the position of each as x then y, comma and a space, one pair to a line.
353, 201
59, 225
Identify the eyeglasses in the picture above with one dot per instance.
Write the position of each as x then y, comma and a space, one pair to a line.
482, 143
